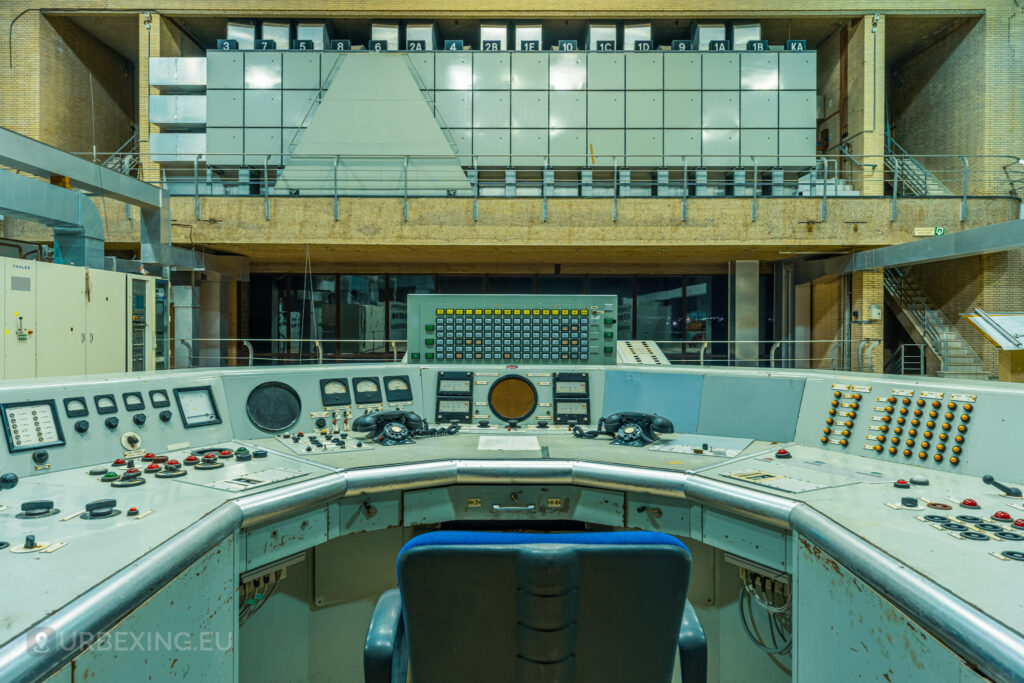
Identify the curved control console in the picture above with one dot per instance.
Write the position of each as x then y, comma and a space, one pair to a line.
894, 497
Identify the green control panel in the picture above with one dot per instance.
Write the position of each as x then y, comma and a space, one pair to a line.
512, 328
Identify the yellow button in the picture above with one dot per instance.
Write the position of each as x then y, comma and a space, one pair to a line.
954, 460
547, 312
440, 311
536, 311
450, 311
565, 311
516, 311
487, 311
477, 311
508, 311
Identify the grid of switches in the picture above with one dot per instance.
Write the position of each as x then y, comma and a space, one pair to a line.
511, 335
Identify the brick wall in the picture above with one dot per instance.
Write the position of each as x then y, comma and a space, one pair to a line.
825, 313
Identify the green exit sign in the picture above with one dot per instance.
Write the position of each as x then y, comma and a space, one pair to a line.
929, 232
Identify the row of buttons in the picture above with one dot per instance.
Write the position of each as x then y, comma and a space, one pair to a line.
507, 356
511, 311
513, 335
507, 323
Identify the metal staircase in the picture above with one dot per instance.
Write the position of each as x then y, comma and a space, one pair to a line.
908, 360
126, 158
909, 175
927, 325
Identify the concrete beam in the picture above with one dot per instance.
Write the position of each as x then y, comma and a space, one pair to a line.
985, 240
31, 156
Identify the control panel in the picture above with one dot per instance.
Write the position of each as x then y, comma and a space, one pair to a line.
520, 329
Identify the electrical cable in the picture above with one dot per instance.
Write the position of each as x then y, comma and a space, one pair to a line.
778, 649
426, 430
580, 433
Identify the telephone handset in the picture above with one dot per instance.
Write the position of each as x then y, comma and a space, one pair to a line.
390, 427
628, 428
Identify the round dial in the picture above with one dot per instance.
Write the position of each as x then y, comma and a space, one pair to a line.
398, 384
366, 386
105, 403
335, 387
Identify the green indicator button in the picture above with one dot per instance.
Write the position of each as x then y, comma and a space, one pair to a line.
429, 356
428, 342
109, 476
430, 328
609, 321
415, 356
609, 335
608, 349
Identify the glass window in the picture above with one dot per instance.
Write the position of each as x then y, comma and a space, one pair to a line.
659, 308
312, 312
621, 286
401, 287
510, 284
361, 314
460, 284
560, 284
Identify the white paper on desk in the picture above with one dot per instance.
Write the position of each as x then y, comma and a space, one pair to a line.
508, 443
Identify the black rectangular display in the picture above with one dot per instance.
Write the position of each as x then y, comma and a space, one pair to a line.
158, 398
571, 384
455, 384
133, 401
572, 411
454, 409
105, 404
398, 388
31, 425
366, 389
76, 407
334, 392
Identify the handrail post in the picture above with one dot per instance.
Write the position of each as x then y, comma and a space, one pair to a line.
405, 187
753, 194
615, 190
266, 188
476, 190
824, 191
703, 348
686, 186
544, 186
771, 354
963, 197
249, 347
319, 352
894, 209
195, 186
335, 187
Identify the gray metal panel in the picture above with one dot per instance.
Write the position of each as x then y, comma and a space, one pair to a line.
768, 406
682, 109
720, 70
529, 142
644, 70
683, 147
262, 108
609, 146
263, 70
644, 108
755, 141
720, 109
759, 71
296, 106
798, 71
224, 146
330, 62
262, 145
606, 109
491, 109
759, 109
568, 109
797, 108
224, 107
676, 397
606, 70
720, 147
567, 141
178, 74
463, 144
455, 108
421, 64
530, 109
529, 70
453, 70
224, 70
491, 141
491, 70
177, 111
301, 71
682, 71
796, 146
643, 147
568, 71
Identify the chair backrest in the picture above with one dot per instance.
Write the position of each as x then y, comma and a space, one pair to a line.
543, 608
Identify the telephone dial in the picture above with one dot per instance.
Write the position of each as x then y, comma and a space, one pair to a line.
393, 427
629, 428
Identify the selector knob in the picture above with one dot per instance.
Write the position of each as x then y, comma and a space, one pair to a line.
165, 415
321, 422
40, 457
139, 419
30, 542
82, 426
36, 508
111, 422
100, 508
8, 480
132, 440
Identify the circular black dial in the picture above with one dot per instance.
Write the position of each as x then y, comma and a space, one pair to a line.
273, 406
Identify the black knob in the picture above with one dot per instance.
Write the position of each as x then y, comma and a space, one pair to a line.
30, 542
111, 422
1011, 491
321, 422
483, 423
133, 441
101, 508
37, 508
139, 418
40, 457
8, 480
165, 415
259, 453
82, 426
542, 424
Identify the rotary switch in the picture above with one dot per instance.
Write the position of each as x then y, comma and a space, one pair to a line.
111, 422
139, 419
100, 509
82, 426
33, 509
165, 416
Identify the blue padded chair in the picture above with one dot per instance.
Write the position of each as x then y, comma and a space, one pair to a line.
537, 608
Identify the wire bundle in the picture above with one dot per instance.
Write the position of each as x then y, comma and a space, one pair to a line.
776, 599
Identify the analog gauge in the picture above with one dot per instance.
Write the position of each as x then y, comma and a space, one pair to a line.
367, 390
105, 404
398, 388
335, 387
133, 401
159, 398
197, 406
76, 407
334, 392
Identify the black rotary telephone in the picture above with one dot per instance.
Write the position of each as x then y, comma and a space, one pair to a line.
393, 427
629, 428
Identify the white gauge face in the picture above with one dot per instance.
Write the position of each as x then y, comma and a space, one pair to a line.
105, 403
564, 387
572, 408
454, 386
75, 405
197, 407
444, 406
159, 399
366, 386
398, 384
133, 402
334, 388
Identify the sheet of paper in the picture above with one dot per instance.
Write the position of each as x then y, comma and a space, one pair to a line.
508, 443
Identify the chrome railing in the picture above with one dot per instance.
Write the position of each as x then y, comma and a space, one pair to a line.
908, 359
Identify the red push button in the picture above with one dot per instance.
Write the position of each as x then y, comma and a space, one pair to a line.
969, 503
120, 461
783, 452
149, 456
901, 484
173, 462
225, 452
192, 458
1019, 523
152, 467
1002, 516
132, 470
210, 456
